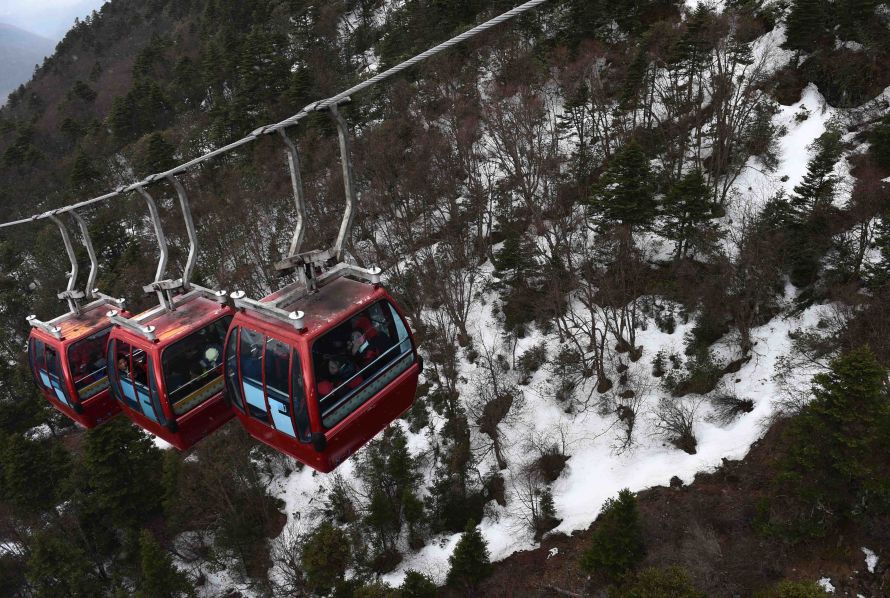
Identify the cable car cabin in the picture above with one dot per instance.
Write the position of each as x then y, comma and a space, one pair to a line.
168, 376
67, 358
321, 392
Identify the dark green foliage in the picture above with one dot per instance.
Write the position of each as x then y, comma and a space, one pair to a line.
672, 582
156, 155
392, 478
59, 567
880, 142
122, 472
81, 91
160, 578
624, 195
144, 109
469, 564
807, 24
836, 468
84, 176
417, 585
687, 211
817, 189
325, 557
33, 473
617, 544
22, 150
794, 589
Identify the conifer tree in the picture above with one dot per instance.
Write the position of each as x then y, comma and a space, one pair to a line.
83, 175
32, 474
837, 461
417, 585
325, 557
59, 567
687, 210
624, 195
123, 472
157, 155
817, 188
160, 578
880, 142
807, 24
470, 563
617, 544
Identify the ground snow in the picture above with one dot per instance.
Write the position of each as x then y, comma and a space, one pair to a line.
871, 559
825, 584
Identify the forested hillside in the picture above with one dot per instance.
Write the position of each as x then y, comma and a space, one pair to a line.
633, 239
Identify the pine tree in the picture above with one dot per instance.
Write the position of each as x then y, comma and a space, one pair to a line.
817, 188
417, 585
470, 563
624, 195
837, 461
83, 175
617, 544
157, 155
687, 211
880, 142
160, 578
123, 472
57, 566
807, 24
32, 474
325, 557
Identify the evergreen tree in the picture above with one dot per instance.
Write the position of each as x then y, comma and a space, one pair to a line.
122, 472
817, 188
156, 156
160, 578
880, 142
59, 567
624, 195
417, 585
617, 544
687, 212
325, 557
390, 474
469, 564
807, 24
84, 175
837, 463
32, 474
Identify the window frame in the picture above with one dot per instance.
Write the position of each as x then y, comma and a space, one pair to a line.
104, 332
168, 398
325, 413
302, 434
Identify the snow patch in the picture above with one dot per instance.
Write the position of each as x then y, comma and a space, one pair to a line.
871, 559
825, 584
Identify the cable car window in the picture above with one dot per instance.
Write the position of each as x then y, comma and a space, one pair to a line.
54, 373
252, 373
232, 385
37, 352
356, 360
277, 385
123, 377
86, 359
141, 371
301, 409
155, 397
193, 366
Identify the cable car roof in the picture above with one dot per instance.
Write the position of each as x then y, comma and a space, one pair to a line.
189, 316
74, 327
324, 308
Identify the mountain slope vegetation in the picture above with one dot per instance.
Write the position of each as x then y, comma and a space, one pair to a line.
629, 236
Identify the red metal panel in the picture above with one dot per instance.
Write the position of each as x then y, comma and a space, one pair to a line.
171, 327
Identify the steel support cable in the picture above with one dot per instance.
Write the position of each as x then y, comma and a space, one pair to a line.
293, 120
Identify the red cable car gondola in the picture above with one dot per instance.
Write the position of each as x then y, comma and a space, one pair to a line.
67, 354
166, 363
322, 366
